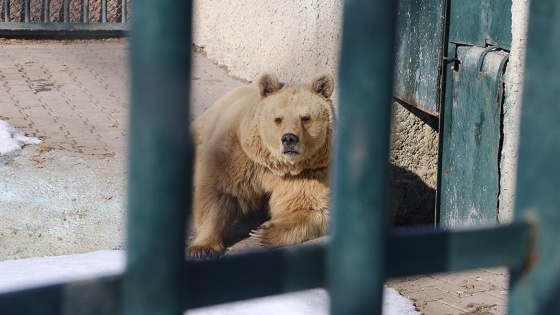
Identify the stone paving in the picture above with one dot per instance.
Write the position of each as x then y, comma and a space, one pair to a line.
74, 99
74, 96
480, 292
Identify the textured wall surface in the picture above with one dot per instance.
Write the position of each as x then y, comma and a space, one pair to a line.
512, 108
414, 156
295, 39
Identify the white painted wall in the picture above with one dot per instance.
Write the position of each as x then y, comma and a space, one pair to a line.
295, 38
512, 108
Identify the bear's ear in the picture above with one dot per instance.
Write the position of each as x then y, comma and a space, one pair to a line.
268, 84
323, 85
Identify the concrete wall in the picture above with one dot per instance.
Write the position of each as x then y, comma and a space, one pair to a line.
296, 39
512, 108
414, 156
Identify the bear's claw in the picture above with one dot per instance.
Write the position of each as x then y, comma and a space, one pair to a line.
202, 252
257, 235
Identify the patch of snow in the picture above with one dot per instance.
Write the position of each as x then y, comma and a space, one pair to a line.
27, 273
308, 302
33, 272
12, 139
396, 304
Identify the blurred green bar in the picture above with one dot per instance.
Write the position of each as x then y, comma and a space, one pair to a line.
357, 259
160, 169
252, 275
535, 288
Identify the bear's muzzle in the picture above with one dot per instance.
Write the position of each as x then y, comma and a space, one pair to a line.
289, 142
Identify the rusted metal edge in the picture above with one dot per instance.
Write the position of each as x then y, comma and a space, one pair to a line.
252, 275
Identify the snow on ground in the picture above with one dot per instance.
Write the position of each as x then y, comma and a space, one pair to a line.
309, 302
32, 272
12, 139
26, 273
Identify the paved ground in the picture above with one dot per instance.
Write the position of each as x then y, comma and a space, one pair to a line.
481, 292
68, 194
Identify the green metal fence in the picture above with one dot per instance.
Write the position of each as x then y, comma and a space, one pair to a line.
362, 252
64, 17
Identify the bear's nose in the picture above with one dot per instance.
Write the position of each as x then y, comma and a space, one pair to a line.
289, 139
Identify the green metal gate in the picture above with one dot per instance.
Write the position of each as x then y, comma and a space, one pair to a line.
451, 56
477, 52
362, 252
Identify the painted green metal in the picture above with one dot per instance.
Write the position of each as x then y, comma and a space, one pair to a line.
259, 274
356, 258
160, 168
420, 30
469, 183
481, 23
421, 252
91, 297
446, 97
362, 252
535, 289
253, 275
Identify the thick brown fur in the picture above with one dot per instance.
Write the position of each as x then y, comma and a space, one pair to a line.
242, 165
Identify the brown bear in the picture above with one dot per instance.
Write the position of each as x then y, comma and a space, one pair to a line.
264, 147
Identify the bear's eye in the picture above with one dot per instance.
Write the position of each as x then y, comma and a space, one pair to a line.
305, 119
278, 120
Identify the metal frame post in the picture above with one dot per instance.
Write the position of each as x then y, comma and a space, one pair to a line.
535, 287
357, 255
160, 167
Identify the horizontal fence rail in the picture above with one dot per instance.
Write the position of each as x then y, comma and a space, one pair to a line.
259, 274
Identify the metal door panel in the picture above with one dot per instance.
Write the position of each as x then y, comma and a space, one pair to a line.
470, 178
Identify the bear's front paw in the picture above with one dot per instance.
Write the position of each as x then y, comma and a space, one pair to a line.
273, 234
203, 252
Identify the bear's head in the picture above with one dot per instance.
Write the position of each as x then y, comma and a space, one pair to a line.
295, 123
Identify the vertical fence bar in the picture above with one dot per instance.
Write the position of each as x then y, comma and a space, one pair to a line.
124, 5
535, 289
26, 9
357, 256
160, 167
86, 11
66, 11
104, 11
46, 11
7, 11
